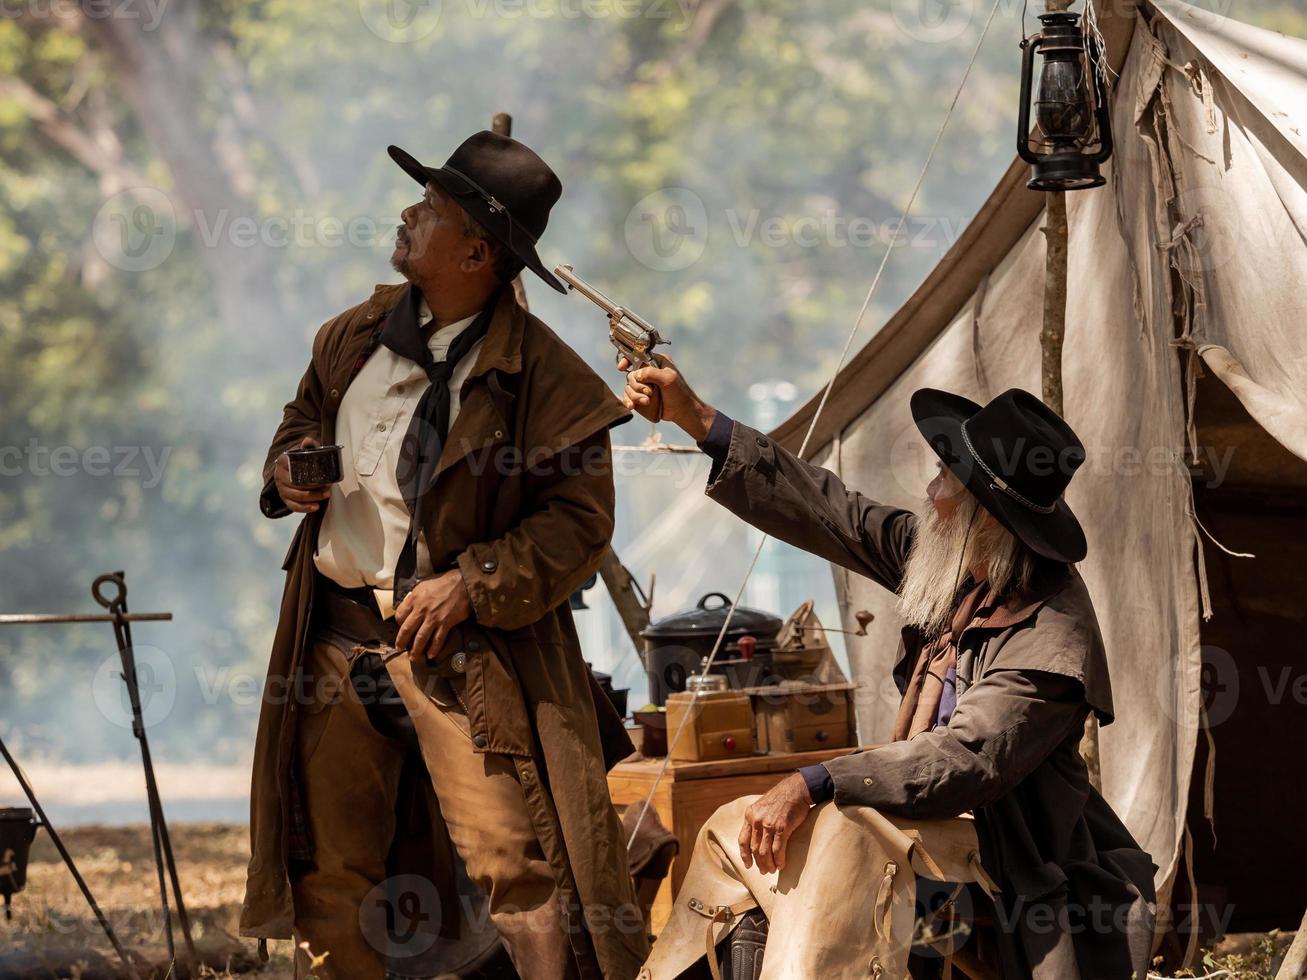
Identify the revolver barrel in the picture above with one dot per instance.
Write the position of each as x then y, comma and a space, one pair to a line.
631, 332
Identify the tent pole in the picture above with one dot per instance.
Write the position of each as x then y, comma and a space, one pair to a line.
1050, 341
502, 124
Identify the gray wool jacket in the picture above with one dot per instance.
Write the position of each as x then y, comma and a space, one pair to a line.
1077, 896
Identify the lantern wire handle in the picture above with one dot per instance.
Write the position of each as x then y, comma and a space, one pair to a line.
816, 415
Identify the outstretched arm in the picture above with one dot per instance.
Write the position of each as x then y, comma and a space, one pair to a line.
775, 491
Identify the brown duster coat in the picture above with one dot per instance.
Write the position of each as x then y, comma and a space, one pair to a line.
522, 505
1077, 895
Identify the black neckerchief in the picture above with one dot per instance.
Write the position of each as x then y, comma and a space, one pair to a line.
419, 453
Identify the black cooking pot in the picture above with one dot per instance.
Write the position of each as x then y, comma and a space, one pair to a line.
675, 646
17, 828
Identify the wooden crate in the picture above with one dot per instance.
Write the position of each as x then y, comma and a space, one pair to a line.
795, 717
690, 792
719, 726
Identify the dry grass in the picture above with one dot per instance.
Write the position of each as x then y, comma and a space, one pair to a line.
118, 865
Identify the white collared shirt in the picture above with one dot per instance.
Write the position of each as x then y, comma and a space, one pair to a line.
366, 521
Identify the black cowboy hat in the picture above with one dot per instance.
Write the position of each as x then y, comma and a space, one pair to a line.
503, 184
1016, 455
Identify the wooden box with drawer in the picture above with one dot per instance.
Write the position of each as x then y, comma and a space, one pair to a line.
720, 726
799, 717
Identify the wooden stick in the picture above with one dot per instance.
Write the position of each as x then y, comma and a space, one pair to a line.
1051, 339
502, 123
1295, 960
26, 619
1055, 273
622, 590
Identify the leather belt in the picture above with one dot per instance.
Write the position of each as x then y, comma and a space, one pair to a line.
350, 612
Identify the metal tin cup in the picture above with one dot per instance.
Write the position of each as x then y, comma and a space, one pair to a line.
705, 683
314, 466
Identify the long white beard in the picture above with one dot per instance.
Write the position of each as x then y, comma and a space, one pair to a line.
941, 553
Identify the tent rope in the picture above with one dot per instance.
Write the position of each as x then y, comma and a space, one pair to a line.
816, 415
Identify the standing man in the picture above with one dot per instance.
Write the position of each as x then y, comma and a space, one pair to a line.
476, 495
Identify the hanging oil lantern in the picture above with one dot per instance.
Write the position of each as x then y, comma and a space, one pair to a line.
1073, 132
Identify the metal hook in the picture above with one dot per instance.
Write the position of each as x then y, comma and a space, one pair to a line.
117, 580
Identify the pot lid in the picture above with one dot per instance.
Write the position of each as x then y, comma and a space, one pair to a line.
705, 620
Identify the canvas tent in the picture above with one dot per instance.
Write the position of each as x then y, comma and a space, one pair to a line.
1188, 267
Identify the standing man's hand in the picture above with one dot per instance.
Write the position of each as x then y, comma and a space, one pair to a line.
770, 822
301, 500
679, 402
427, 614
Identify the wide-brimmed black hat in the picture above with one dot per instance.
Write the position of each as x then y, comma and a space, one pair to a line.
504, 185
1016, 455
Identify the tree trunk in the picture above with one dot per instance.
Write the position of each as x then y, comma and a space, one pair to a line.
160, 73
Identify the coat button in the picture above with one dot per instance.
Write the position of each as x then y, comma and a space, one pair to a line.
459, 662
335, 392
489, 565
473, 646
480, 741
866, 780
762, 442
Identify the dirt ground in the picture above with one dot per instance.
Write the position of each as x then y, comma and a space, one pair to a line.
50, 916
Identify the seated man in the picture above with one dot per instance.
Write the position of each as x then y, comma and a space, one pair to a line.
1001, 662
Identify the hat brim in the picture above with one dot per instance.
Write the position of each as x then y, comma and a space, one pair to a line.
470, 200
939, 416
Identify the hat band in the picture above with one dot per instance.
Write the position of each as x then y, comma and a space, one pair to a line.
997, 482
492, 202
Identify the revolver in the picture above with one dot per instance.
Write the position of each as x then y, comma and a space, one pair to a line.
633, 336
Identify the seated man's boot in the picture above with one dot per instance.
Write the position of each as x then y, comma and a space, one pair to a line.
740, 957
